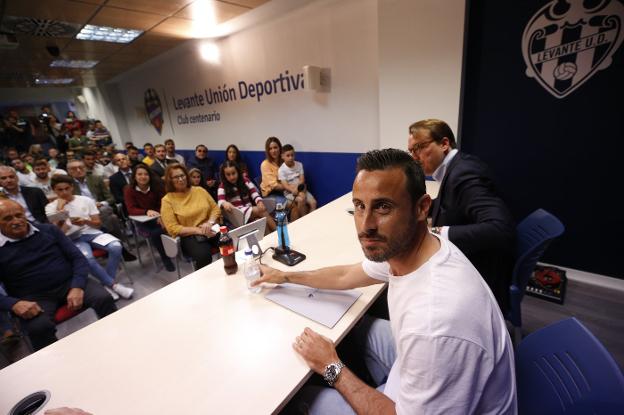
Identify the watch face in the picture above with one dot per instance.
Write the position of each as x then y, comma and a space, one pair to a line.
331, 371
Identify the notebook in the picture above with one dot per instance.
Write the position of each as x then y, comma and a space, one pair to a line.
323, 306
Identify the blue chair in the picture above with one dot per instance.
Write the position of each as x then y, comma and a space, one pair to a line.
533, 235
564, 369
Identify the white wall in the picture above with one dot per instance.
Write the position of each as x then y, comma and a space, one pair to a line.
420, 65
338, 34
103, 103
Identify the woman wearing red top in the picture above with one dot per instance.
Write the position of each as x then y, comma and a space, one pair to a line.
142, 197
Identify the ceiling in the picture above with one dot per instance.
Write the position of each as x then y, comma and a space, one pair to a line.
166, 24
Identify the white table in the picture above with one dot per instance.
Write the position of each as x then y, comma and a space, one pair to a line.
203, 344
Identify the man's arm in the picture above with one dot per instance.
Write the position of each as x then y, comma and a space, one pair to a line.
341, 277
318, 351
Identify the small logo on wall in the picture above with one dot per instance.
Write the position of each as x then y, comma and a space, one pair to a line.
153, 109
566, 42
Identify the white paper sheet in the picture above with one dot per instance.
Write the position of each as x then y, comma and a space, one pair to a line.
323, 306
104, 239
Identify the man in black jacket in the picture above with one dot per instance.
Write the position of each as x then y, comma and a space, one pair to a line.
122, 178
32, 199
468, 210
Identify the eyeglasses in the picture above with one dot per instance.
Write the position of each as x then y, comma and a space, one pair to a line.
179, 177
418, 147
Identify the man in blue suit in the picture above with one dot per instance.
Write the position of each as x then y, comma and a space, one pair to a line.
468, 210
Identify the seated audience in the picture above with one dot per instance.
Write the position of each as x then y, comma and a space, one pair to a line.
122, 178
77, 142
143, 197
233, 154
109, 166
468, 210
100, 136
197, 179
133, 156
41, 270
271, 186
82, 226
43, 174
190, 213
207, 167
32, 199
56, 160
94, 188
446, 349
148, 149
25, 176
172, 156
160, 162
238, 192
93, 168
291, 176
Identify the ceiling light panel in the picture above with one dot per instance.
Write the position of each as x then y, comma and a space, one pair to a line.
108, 34
80, 64
53, 81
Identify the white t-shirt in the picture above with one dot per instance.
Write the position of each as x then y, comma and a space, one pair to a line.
290, 175
80, 207
26, 179
454, 354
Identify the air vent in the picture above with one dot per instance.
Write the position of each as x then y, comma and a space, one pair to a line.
39, 27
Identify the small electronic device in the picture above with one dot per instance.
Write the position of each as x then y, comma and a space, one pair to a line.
251, 232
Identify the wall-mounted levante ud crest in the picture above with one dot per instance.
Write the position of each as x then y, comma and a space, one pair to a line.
566, 42
153, 109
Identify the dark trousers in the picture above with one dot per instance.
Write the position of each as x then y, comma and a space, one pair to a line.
153, 231
198, 250
42, 329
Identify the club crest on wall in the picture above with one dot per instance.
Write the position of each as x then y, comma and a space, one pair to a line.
566, 42
153, 109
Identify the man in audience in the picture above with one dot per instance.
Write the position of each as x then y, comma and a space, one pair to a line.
122, 178
41, 269
95, 188
43, 172
207, 167
172, 156
109, 166
160, 162
55, 160
32, 199
100, 136
148, 148
440, 353
468, 210
133, 156
93, 168
25, 176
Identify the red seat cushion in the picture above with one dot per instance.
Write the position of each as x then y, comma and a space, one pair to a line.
99, 253
64, 313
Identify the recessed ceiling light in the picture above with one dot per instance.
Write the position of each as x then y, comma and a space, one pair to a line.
61, 63
107, 34
53, 81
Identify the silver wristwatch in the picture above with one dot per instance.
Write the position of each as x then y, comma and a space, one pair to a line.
332, 371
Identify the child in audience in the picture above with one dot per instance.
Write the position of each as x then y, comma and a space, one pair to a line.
197, 178
238, 192
82, 227
290, 175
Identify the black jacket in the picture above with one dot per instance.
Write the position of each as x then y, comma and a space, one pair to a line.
36, 201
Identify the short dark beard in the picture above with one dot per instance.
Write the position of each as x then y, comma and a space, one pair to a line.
397, 244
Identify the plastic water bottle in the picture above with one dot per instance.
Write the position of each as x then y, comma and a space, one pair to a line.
252, 271
282, 230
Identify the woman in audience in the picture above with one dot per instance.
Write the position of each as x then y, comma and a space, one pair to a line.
270, 186
190, 213
197, 178
233, 154
142, 197
238, 192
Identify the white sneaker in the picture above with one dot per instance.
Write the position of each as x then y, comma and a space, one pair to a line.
122, 290
112, 293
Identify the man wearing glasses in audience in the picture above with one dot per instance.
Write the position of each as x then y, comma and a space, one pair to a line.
468, 210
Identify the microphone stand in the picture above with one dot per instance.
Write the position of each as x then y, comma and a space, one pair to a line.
284, 254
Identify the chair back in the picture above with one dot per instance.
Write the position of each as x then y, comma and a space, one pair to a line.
171, 245
235, 217
63, 313
533, 235
564, 369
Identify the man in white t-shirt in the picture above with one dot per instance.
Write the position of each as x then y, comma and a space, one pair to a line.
446, 348
25, 176
81, 224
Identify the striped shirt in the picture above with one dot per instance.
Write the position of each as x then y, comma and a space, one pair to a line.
237, 201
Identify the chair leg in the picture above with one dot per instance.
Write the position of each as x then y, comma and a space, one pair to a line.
178, 266
125, 268
151, 251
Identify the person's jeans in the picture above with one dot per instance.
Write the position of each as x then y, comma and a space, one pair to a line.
374, 337
106, 276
